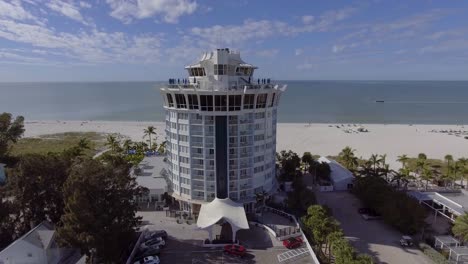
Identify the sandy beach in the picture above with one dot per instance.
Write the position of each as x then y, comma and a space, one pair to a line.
322, 139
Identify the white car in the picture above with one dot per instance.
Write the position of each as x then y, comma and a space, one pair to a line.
148, 260
159, 241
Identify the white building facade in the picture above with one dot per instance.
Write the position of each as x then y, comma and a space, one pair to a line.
220, 131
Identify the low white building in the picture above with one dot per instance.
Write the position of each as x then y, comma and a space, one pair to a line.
38, 246
341, 178
152, 178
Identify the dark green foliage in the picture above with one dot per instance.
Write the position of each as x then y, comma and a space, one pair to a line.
433, 254
100, 208
36, 185
289, 162
323, 171
10, 131
300, 198
6, 222
396, 207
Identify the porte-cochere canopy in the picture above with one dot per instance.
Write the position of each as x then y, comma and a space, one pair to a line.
223, 209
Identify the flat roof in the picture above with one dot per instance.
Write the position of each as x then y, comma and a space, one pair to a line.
457, 202
150, 176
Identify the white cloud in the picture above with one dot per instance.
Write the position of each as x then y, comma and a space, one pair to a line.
85, 4
68, 9
270, 53
14, 10
170, 10
298, 52
94, 46
338, 48
306, 66
307, 19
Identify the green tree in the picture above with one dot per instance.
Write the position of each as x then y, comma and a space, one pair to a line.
10, 131
36, 185
319, 224
403, 159
290, 162
462, 168
375, 161
6, 221
460, 228
100, 209
448, 159
149, 132
307, 159
113, 143
427, 175
162, 147
127, 145
347, 158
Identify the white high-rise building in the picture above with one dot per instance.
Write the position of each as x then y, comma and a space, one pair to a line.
220, 131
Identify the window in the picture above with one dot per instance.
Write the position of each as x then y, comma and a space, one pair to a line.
244, 71
183, 116
220, 69
261, 100
249, 101
235, 102
260, 115
259, 137
192, 101
197, 71
273, 100
220, 103
180, 101
206, 102
169, 100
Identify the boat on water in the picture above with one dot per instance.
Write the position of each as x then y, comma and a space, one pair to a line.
380, 101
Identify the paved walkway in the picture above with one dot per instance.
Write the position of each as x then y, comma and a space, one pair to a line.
371, 237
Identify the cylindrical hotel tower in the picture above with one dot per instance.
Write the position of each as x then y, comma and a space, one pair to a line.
220, 132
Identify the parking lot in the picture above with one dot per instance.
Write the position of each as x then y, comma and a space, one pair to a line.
372, 237
184, 244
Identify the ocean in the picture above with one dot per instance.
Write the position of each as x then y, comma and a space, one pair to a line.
406, 102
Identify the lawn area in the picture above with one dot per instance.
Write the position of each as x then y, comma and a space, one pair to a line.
59, 142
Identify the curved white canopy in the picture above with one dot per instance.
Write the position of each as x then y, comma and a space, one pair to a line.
225, 209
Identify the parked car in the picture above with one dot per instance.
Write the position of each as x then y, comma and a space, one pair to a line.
293, 242
155, 234
148, 260
150, 251
159, 241
406, 241
369, 213
235, 250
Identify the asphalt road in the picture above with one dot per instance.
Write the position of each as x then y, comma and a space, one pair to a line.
371, 237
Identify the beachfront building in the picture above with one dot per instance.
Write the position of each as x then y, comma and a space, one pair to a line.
220, 132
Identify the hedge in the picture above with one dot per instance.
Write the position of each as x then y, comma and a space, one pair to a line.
433, 254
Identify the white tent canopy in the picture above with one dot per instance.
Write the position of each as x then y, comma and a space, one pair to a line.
222, 209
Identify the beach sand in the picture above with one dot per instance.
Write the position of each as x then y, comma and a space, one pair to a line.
319, 139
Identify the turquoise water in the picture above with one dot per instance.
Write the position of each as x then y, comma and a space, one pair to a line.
423, 102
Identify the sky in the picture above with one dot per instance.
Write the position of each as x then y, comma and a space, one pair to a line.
151, 40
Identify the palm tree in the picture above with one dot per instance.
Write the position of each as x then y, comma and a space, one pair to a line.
348, 157
422, 156
375, 161
448, 158
113, 143
463, 162
403, 159
162, 147
460, 228
127, 144
149, 131
84, 143
427, 175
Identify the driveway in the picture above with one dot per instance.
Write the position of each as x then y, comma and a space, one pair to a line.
371, 237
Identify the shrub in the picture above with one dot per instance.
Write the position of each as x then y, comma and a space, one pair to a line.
433, 254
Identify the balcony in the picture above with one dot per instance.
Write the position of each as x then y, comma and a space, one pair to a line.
209, 156
198, 166
210, 167
198, 187
198, 197
210, 189
197, 143
196, 132
197, 155
198, 177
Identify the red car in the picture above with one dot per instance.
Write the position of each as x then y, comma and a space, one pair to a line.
293, 242
235, 250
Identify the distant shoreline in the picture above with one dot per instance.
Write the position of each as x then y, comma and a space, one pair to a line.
318, 138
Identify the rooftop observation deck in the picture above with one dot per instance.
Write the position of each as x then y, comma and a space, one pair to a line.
220, 86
